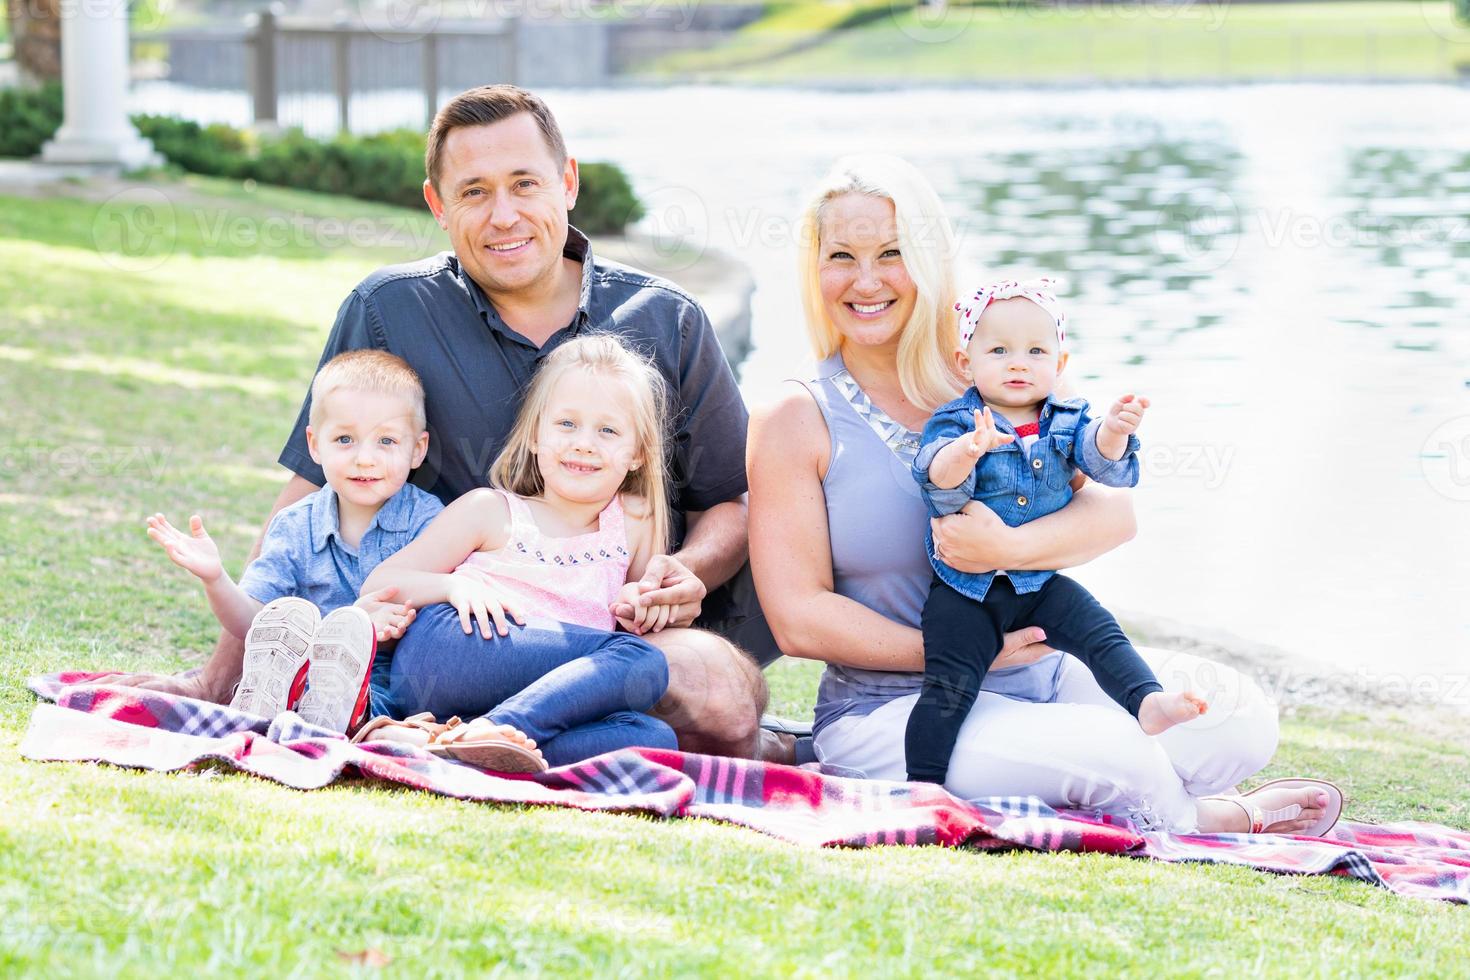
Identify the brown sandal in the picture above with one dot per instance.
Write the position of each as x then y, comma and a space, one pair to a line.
448, 740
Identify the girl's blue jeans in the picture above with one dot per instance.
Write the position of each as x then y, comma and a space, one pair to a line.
577, 691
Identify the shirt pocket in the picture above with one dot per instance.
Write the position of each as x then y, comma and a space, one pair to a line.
1056, 470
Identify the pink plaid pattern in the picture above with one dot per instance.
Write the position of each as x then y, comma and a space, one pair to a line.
148, 730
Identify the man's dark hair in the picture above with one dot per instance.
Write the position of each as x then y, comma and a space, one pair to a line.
483, 106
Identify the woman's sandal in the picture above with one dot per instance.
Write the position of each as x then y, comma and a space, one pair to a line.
449, 740
1261, 819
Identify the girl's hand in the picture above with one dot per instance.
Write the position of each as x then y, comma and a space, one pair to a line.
391, 619
476, 598
639, 619
195, 552
986, 436
1126, 415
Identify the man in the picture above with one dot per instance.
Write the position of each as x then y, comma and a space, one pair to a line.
475, 323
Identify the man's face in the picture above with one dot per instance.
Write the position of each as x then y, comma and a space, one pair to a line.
504, 199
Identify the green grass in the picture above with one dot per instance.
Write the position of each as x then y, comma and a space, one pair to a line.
130, 385
1015, 42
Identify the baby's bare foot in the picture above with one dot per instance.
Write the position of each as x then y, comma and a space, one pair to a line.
1162, 710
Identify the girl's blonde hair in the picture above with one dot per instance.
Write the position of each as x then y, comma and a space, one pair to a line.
515, 468
928, 341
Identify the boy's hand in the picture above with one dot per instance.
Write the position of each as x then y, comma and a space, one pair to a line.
1125, 415
195, 552
476, 598
985, 437
639, 619
390, 619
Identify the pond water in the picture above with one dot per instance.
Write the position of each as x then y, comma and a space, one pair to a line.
1284, 270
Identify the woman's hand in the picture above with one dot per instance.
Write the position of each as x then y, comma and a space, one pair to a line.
974, 540
1022, 647
475, 598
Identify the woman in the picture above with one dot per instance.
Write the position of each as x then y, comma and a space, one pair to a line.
837, 532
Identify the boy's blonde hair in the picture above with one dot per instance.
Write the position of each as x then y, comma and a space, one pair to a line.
926, 243
376, 371
515, 468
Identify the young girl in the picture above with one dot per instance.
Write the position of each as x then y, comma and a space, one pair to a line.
537, 564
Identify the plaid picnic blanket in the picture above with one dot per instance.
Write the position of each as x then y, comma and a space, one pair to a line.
151, 730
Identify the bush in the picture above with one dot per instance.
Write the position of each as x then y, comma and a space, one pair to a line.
606, 203
28, 118
218, 151
387, 167
1462, 11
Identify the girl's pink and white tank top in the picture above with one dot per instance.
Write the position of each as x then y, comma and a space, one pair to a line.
572, 580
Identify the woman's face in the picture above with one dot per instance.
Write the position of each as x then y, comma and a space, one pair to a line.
865, 287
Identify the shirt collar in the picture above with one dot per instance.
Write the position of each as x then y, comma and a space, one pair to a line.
578, 247
326, 521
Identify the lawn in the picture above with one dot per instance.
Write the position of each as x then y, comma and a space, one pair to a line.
1005, 41
155, 363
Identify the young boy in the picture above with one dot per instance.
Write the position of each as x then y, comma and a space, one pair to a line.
1019, 462
367, 432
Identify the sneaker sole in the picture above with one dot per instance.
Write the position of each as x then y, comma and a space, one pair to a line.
341, 665
276, 650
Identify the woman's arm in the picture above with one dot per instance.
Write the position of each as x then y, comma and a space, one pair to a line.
790, 553
1097, 520
478, 521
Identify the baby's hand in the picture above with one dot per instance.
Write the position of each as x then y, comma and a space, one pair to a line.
1126, 415
195, 552
985, 437
638, 619
391, 619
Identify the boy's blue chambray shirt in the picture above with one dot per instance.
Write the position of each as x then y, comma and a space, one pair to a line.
303, 553
1017, 485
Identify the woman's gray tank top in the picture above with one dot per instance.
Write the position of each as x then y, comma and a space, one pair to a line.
876, 521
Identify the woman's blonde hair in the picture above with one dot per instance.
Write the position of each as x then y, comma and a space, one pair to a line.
515, 468
925, 241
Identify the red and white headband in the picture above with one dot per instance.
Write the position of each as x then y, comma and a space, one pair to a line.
1039, 291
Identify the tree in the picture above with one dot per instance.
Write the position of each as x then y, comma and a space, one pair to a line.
35, 33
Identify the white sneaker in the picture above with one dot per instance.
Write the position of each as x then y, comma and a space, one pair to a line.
277, 646
341, 664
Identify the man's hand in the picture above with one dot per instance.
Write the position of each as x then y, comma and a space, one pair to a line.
194, 552
476, 598
1122, 420
389, 618
639, 619
665, 582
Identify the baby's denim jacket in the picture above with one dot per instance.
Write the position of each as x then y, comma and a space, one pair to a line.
1017, 485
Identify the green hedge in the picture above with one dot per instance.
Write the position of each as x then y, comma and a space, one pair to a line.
386, 167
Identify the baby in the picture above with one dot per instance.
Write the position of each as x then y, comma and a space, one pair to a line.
1009, 443
367, 432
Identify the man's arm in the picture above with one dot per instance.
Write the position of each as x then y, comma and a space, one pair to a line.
716, 542
1097, 520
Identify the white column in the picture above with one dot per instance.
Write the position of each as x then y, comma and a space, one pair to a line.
94, 80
